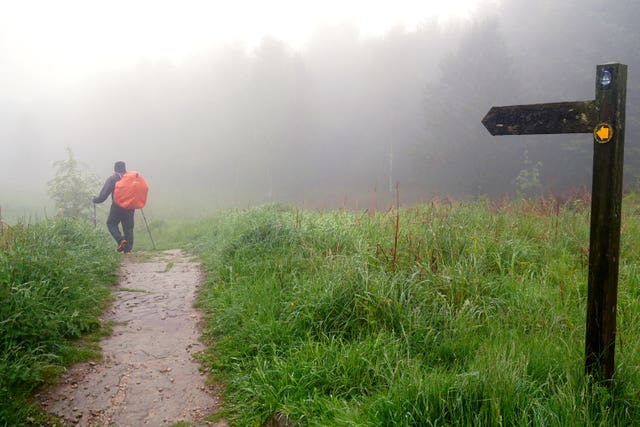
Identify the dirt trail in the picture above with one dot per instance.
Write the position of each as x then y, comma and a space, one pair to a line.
147, 375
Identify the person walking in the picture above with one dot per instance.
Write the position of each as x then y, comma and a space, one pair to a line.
117, 214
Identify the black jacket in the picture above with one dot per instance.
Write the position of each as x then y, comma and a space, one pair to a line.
107, 188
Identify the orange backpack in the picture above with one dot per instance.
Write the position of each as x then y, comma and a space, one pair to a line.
131, 191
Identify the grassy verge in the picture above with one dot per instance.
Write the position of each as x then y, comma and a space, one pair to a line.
54, 281
474, 315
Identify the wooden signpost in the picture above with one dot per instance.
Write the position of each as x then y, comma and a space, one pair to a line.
604, 118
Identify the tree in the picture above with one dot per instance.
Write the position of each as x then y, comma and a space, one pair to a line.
72, 188
459, 155
277, 116
557, 46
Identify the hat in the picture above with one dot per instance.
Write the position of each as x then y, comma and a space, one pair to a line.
119, 167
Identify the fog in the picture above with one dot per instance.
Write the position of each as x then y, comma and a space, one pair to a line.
337, 120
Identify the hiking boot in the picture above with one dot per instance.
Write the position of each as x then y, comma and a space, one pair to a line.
122, 245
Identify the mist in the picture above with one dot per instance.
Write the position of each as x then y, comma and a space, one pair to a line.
337, 122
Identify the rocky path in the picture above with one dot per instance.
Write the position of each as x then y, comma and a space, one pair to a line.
147, 375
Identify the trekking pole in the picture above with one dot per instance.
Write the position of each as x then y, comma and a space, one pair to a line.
148, 230
94, 216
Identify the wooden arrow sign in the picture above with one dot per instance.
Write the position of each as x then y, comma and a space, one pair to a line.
556, 117
604, 118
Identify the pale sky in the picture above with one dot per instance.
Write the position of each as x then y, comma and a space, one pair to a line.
61, 40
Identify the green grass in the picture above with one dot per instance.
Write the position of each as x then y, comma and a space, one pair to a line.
54, 281
479, 319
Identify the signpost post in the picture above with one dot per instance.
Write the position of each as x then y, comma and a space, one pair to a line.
604, 118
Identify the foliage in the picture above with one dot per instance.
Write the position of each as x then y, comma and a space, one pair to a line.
527, 182
462, 157
54, 278
346, 113
480, 320
72, 188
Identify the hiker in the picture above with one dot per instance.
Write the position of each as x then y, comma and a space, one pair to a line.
118, 214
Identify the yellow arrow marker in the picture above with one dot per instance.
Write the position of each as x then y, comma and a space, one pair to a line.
603, 133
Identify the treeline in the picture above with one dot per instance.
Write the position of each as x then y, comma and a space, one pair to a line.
349, 115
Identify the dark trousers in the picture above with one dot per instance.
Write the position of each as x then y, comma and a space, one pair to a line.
118, 215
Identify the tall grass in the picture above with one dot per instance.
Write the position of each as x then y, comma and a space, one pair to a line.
478, 319
54, 278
